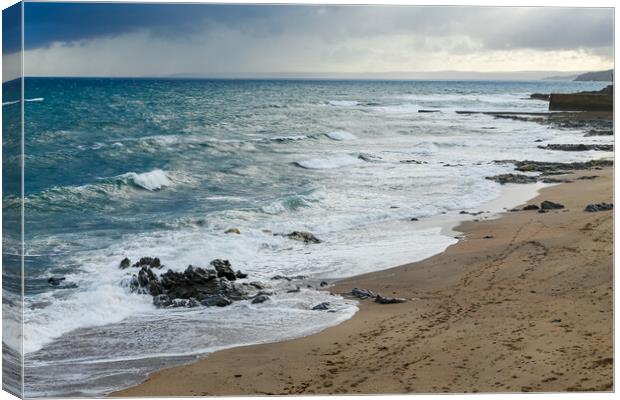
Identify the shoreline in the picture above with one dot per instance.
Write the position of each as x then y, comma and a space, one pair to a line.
440, 331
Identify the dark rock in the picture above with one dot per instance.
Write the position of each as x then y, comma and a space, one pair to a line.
595, 207
595, 132
578, 147
541, 211
125, 263
288, 278
280, 277
412, 162
555, 180
547, 167
257, 285
233, 230
261, 298
240, 275
179, 303
55, 281
149, 282
216, 300
224, 269
389, 300
323, 284
368, 157
192, 287
305, 237
538, 140
549, 205
488, 237
148, 262
428, 111
296, 290
362, 293
191, 303
321, 307
539, 96
587, 177
530, 207
512, 178
162, 300
414, 219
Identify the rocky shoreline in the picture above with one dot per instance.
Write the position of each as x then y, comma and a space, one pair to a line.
526, 309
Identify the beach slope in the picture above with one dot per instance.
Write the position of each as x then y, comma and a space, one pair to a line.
522, 303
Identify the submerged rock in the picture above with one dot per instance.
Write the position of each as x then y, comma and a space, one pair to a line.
216, 300
302, 236
595, 207
596, 132
539, 96
55, 281
389, 300
261, 298
162, 300
321, 307
233, 230
578, 147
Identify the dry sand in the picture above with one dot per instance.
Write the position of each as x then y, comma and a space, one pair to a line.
529, 309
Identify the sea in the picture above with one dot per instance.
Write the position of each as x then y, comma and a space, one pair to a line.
120, 168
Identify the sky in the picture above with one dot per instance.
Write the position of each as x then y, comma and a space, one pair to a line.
69, 39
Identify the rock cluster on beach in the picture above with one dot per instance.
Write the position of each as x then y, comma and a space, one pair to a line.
363, 294
513, 178
195, 286
595, 207
545, 169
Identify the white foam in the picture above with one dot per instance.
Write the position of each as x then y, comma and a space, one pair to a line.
94, 304
329, 162
341, 135
7, 103
152, 180
343, 103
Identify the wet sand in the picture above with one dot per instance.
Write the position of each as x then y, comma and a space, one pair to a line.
527, 309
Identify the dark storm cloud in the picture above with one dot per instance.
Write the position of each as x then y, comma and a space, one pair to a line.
175, 39
493, 27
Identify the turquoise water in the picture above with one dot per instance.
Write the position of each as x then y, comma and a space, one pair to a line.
136, 167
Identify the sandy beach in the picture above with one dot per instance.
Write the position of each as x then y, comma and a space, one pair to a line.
522, 303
